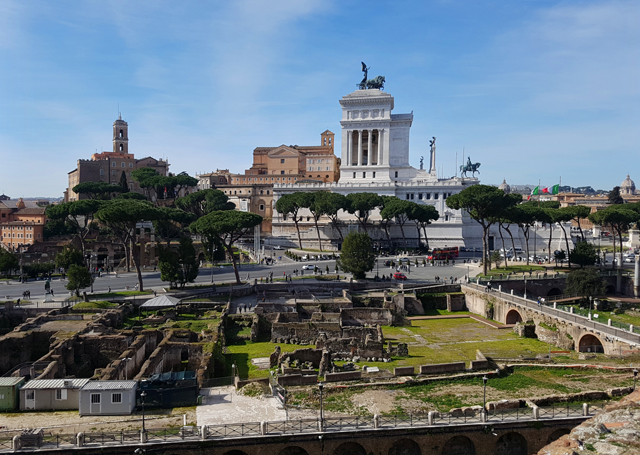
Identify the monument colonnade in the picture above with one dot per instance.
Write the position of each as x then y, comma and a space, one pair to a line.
358, 159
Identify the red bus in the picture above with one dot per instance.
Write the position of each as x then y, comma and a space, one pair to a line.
439, 254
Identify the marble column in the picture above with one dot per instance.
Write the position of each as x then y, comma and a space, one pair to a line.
359, 147
369, 148
380, 149
349, 158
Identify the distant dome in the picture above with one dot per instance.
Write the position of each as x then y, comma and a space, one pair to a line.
627, 186
504, 186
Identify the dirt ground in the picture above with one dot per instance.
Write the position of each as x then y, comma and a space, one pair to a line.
67, 422
445, 396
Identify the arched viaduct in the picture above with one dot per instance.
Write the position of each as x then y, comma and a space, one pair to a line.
565, 330
513, 438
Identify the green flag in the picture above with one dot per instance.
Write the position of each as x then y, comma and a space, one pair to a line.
535, 191
555, 189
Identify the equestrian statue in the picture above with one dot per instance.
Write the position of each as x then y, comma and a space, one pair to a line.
368, 84
469, 167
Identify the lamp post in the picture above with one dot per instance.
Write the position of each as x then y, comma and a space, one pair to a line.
635, 377
213, 249
321, 387
484, 395
525, 288
142, 395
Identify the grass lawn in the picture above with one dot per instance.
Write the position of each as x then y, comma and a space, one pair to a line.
242, 351
100, 304
454, 340
626, 318
513, 269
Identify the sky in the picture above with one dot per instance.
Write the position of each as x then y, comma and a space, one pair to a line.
535, 90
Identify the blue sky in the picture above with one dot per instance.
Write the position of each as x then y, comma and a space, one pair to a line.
532, 89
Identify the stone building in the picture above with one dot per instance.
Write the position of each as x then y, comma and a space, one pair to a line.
21, 223
109, 166
253, 190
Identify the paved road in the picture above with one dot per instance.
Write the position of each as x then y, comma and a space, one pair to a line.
13, 290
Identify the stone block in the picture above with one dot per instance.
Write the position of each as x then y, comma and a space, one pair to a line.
346, 376
404, 371
442, 368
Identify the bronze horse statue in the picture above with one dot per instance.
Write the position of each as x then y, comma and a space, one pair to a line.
469, 167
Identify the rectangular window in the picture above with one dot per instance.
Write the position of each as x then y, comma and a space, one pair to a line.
261, 207
95, 398
281, 172
113, 164
116, 398
435, 195
407, 196
396, 174
101, 171
428, 195
420, 196
282, 161
61, 394
374, 175
354, 175
412, 196
113, 172
364, 175
123, 164
31, 394
130, 164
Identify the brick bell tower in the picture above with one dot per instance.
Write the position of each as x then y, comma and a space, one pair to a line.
120, 136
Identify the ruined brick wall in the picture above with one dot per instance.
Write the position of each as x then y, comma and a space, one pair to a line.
366, 316
314, 356
15, 348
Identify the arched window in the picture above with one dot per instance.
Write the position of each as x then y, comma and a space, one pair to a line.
121, 133
121, 147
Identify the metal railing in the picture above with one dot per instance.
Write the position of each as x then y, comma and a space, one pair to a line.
300, 426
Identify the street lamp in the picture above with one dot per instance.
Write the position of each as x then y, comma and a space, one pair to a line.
213, 249
635, 377
321, 387
142, 395
484, 396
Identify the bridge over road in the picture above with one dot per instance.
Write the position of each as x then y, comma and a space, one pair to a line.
568, 330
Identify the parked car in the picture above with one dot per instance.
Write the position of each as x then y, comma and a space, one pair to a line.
399, 276
387, 263
305, 257
278, 247
630, 258
308, 267
405, 260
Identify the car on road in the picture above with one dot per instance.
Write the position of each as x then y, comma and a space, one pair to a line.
278, 247
399, 276
308, 267
404, 259
630, 258
387, 263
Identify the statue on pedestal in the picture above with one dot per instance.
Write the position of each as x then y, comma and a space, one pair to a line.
368, 84
432, 162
